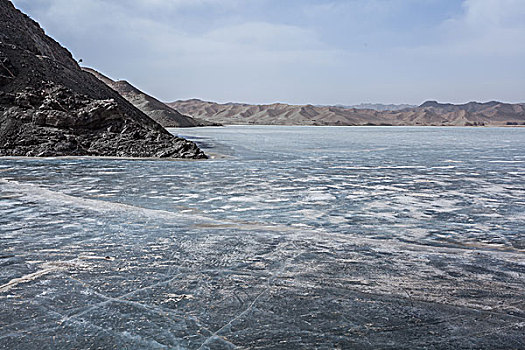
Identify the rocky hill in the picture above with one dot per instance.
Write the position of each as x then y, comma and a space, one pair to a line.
429, 113
156, 110
50, 107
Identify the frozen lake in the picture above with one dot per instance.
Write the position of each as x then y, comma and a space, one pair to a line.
290, 237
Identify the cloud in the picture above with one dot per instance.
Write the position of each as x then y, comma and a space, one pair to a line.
264, 35
228, 59
487, 27
309, 51
494, 13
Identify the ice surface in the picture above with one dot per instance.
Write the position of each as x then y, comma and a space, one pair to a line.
318, 237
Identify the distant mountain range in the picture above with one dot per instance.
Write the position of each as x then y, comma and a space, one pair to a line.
149, 105
430, 113
378, 106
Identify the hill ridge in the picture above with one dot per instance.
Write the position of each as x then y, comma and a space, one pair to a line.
430, 113
160, 112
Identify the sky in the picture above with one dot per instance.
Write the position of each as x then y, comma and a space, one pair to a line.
299, 51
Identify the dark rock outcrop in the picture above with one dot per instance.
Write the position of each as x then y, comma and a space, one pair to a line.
54, 121
50, 107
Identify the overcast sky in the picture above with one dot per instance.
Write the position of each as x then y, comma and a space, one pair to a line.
299, 51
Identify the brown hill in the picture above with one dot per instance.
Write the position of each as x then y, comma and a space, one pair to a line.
429, 113
50, 107
156, 110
